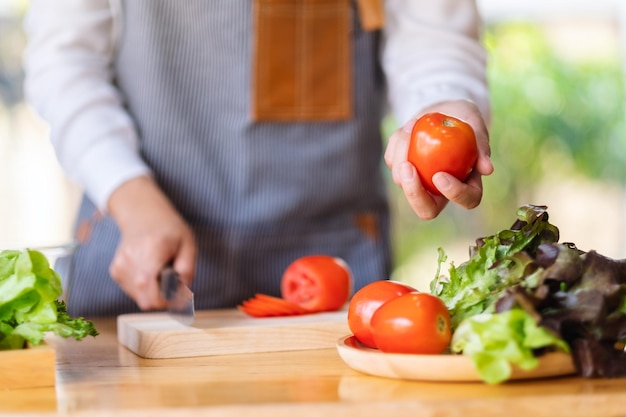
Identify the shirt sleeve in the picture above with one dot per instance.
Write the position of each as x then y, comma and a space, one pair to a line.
68, 81
432, 53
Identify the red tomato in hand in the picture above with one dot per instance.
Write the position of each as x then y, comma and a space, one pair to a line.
317, 283
442, 143
416, 323
366, 301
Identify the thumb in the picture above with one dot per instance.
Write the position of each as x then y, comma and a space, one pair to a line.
185, 260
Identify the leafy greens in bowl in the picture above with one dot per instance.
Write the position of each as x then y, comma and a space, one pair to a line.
521, 293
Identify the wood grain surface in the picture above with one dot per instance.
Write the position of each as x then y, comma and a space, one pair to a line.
100, 377
33, 367
229, 331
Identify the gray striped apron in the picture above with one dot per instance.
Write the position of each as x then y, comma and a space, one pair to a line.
258, 195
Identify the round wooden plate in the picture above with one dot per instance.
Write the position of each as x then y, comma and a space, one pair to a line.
451, 368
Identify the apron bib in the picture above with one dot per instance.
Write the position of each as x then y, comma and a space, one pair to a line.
259, 189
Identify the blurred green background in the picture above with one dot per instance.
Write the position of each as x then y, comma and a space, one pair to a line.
558, 138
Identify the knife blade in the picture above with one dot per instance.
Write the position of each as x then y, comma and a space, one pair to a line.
180, 301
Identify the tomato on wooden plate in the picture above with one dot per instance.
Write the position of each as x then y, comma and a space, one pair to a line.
416, 322
442, 143
366, 301
317, 283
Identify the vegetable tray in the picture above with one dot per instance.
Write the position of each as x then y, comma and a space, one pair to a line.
31, 367
228, 331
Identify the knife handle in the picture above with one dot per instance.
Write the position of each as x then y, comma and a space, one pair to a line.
168, 282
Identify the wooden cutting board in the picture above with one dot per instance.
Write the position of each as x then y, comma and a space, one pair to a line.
229, 331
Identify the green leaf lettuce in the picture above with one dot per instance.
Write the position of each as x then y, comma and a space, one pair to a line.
496, 341
29, 302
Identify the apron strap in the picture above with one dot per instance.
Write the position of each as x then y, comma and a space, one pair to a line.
371, 14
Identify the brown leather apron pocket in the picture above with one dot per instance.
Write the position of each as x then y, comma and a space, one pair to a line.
302, 60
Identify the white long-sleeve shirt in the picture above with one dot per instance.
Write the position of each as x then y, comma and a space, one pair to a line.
431, 53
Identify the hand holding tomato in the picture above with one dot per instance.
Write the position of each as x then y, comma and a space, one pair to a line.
466, 194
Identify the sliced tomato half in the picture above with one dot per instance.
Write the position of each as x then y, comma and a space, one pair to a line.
310, 284
317, 283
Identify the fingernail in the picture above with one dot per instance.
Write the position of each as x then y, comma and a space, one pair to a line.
441, 181
408, 126
407, 172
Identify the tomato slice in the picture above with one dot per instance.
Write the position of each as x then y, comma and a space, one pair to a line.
317, 283
281, 304
262, 305
253, 311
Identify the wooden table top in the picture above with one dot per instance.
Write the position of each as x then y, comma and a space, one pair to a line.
98, 376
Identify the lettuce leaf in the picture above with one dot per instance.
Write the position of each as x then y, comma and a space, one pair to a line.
496, 341
29, 302
475, 285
